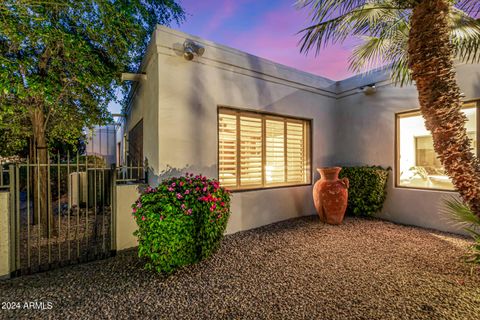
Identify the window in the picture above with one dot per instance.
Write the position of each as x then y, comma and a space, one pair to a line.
417, 162
261, 150
135, 145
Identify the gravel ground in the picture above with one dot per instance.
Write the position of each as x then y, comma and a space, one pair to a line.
297, 269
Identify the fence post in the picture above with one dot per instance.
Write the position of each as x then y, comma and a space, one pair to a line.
6, 254
145, 169
113, 211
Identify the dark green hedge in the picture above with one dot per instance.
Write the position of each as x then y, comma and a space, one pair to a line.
367, 191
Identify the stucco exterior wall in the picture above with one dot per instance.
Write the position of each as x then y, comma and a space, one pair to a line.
179, 102
125, 224
4, 235
189, 94
367, 137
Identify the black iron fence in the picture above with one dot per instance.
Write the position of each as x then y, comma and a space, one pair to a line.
62, 212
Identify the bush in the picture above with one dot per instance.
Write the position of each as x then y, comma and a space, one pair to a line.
181, 221
367, 191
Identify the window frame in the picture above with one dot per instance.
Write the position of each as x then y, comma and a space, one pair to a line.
416, 112
264, 115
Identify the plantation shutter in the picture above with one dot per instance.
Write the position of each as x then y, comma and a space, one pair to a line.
296, 151
257, 150
275, 151
227, 149
250, 150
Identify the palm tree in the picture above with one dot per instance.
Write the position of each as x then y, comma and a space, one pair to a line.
419, 40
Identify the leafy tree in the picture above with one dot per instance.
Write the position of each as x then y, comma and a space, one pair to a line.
61, 62
419, 40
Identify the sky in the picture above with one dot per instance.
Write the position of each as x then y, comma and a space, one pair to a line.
265, 28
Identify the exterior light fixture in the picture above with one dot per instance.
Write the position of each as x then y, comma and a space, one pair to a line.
192, 49
369, 89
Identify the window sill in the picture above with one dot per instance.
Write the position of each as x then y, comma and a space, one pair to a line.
269, 187
425, 189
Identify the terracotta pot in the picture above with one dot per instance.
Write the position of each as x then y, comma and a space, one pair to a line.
330, 195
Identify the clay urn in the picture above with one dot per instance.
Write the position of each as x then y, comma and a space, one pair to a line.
330, 195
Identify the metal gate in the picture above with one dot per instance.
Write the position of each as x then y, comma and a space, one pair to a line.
61, 212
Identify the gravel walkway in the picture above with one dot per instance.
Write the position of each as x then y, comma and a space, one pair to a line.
297, 269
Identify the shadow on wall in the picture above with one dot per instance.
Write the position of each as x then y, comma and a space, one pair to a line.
169, 172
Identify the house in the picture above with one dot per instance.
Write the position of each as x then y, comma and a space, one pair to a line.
263, 128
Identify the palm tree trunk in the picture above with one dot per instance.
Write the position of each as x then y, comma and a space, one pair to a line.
432, 63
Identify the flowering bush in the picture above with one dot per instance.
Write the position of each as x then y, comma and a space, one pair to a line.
181, 221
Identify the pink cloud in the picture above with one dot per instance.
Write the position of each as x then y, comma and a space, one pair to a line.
223, 12
276, 39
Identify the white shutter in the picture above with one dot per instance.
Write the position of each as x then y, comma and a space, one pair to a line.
250, 150
256, 150
296, 153
227, 149
275, 151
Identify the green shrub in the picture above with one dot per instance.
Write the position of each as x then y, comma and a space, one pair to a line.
367, 191
181, 221
462, 214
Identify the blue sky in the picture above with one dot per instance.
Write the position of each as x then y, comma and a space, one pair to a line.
265, 28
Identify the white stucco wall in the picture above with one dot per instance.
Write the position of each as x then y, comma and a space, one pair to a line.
178, 104
125, 224
101, 142
4, 235
368, 138
183, 129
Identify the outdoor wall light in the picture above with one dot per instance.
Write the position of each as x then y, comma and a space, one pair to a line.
369, 89
192, 49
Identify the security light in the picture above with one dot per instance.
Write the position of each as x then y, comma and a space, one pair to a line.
192, 49
369, 89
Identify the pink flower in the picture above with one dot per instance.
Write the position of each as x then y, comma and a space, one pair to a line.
134, 210
197, 189
143, 218
187, 191
139, 204
179, 196
214, 206
161, 218
181, 183
189, 211
173, 185
183, 206
204, 189
222, 204
170, 189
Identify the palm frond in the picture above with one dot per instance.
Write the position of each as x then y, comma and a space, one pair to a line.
321, 10
461, 214
400, 72
470, 7
368, 19
390, 48
466, 36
